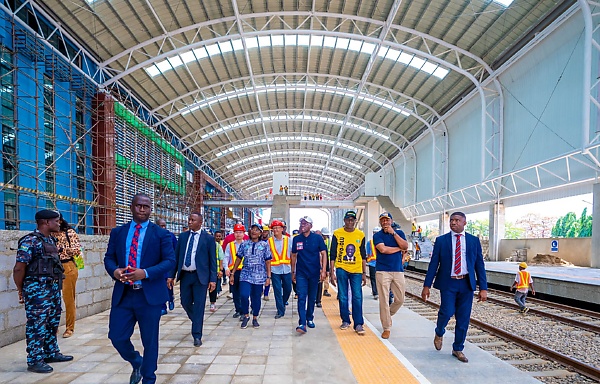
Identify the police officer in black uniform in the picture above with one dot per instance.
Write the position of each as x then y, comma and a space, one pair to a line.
38, 276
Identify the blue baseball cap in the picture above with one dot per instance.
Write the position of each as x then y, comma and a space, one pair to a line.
386, 214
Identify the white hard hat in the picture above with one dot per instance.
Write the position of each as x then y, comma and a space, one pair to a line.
325, 231
376, 229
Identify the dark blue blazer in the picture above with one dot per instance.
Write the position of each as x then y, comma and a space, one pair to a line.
441, 263
206, 257
157, 259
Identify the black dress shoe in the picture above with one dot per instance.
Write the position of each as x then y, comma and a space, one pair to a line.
236, 315
58, 358
278, 316
319, 305
136, 376
40, 367
197, 342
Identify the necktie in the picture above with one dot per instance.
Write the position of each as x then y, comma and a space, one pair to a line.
457, 256
134, 247
188, 253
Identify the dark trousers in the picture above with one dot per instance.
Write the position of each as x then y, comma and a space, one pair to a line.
235, 290
282, 288
251, 292
213, 295
372, 274
319, 293
42, 309
132, 309
306, 287
456, 300
193, 300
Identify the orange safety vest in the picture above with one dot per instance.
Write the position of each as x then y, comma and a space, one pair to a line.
373, 255
279, 259
523, 280
232, 251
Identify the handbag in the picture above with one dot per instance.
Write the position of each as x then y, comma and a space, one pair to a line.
78, 258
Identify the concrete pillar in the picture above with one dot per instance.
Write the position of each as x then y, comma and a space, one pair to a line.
595, 257
496, 230
372, 210
281, 209
444, 223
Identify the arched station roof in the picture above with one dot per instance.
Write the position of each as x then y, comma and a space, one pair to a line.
345, 86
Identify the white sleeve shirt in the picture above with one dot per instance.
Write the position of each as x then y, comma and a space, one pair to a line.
463, 252
194, 246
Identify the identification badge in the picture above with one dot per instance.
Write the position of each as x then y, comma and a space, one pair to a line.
299, 246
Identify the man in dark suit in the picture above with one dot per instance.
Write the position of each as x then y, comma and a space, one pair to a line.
457, 265
139, 255
196, 267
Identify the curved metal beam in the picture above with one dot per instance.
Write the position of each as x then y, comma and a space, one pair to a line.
266, 173
297, 180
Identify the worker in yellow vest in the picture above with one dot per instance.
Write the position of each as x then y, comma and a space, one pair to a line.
230, 253
372, 264
522, 283
281, 271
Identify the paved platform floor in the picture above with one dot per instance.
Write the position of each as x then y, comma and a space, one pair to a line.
273, 353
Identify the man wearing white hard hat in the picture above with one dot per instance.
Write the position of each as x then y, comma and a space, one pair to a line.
372, 264
309, 266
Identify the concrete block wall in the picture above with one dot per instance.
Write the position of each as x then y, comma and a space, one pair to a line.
94, 286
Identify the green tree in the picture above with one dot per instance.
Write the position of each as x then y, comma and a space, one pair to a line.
569, 226
511, 231
478, 227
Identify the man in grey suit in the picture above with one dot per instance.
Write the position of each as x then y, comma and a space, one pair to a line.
196, 268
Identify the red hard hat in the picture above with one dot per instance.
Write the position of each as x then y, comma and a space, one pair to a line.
239, 227
276, 223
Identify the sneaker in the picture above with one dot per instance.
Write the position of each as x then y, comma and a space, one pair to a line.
325, 293
311, 324
163, 312
344, 325
526, 310
375, 297
266, 298
171, 305
213, 307
301, 329
287, 303
278, 316
245, 321
319, 305
236, 315
255, 323
359, 329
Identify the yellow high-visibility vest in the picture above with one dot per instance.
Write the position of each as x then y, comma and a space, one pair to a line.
523, 280
279, 259
232, 252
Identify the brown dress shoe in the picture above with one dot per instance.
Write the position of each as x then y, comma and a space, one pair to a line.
460, 356
438, 341
385, 335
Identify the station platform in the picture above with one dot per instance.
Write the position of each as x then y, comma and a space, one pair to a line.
569, 282
273, 353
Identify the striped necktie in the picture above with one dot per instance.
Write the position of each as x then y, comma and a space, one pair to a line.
457, 257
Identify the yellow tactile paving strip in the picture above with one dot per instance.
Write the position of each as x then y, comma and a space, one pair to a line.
370, 359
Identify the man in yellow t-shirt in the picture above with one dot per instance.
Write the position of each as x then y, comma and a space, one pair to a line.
348, 257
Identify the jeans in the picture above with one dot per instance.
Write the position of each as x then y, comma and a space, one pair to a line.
253, 292
355, 279
520, 299
306, 288
282, 288
372, 273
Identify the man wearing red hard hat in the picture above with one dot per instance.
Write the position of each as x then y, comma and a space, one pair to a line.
239, 233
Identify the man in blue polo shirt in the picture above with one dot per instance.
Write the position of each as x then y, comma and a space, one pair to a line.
309, 261
390, 244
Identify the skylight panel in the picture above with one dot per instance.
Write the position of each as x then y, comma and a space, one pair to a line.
175, 61
225, 46
251, 42
237, 44
213, 49
276, 40
200, 53
355, 45
329, 42
417, 62
264, 41
316, 41
367, 48
429, 67
440, 72
392, 54
153, 70
164, 66
290, 39
188, 56
505, 3
382, 52
342, 43
405, 58
303, 39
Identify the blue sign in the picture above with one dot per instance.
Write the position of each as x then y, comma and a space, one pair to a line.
554, 246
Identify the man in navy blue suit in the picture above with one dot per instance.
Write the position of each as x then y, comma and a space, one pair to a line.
457, 265
196, 267
139, 255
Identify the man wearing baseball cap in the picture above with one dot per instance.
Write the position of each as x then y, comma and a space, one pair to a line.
390, 245
281, 271
348, 266
309, 260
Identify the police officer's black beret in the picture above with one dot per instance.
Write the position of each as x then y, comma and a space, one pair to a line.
46, 214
